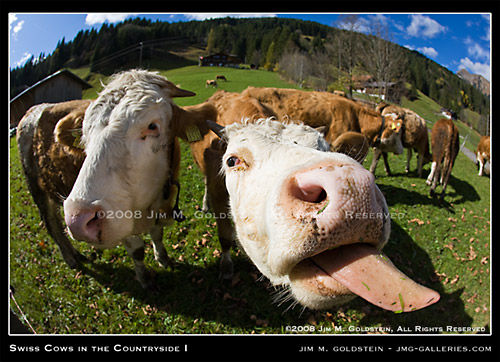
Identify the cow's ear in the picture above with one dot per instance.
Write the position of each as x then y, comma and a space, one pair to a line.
68, 132
189, 123
174, 91
352, 144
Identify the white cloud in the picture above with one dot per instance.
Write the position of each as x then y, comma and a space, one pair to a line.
429, 51
475, 50
24, 59
475, 68
18, 27
424, 26
12, 19
204, 16
99, 18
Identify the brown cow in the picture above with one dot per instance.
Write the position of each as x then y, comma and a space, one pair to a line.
413, 135
318, 109
221, 77
445, 147
207, 153
483, 153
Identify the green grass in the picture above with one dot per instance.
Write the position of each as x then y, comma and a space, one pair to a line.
443, 246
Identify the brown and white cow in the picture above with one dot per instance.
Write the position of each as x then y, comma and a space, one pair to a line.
316, 109
445, 147
414, 136
312, 221
211, 83
483, 153
126, 182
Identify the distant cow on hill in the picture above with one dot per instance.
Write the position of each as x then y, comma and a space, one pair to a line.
483, 153
210, 83
445, 147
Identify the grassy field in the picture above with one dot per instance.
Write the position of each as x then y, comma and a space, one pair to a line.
445, 246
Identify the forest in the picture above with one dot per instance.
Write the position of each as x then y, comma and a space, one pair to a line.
313, 55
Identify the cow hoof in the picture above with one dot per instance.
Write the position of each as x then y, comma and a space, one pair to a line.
226, 272
167, 262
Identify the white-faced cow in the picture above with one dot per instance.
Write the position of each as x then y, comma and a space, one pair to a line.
127, 180
445, 147
311, 220
483, 153
335, 115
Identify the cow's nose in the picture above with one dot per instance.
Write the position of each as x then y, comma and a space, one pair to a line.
86, 224
335, 190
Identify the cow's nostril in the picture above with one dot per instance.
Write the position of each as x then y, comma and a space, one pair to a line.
309, 192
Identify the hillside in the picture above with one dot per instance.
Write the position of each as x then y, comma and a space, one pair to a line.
476, 80
265, 42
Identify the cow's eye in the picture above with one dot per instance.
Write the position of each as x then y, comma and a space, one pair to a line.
152, 127
233, 161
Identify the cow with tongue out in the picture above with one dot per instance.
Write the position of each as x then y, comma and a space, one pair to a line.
312, 220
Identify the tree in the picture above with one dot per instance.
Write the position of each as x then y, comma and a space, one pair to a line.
347, 45
382, 58
210, 41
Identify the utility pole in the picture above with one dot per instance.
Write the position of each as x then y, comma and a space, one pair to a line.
140, 55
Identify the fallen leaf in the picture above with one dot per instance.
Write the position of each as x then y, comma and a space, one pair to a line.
471, 254
455, 279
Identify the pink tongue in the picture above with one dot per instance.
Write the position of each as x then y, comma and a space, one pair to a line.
368, 273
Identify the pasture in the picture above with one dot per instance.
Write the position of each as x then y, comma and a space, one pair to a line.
445, 246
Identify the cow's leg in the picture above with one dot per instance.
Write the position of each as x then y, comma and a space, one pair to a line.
386, 164
218, 199
206, 206
437, 174
161, 255
408, 159
431, 174
376, 156
481, 164
135, 248
49, 210
447, 173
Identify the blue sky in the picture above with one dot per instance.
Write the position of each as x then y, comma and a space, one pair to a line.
453, 40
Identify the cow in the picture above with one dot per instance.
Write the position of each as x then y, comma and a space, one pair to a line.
483, 153
221, 77
338, 114
312, 221
207, 154
211, 82
353, 144
317, 109
445, 146
120, 177
414, 136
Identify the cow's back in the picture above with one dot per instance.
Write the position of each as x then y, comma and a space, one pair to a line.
47, 163
444, 140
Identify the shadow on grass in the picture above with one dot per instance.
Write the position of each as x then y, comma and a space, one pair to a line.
197, 293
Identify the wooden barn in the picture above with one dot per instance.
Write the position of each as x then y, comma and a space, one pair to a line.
58, 87
220, 60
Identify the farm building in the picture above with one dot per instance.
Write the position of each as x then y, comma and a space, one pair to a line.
220, 60
58, 87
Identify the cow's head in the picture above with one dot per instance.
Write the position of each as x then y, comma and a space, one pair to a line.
311, 220
390, 140
128, 134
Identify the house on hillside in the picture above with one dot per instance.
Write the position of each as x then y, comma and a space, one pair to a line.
61, 86
220, 60
367, 84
